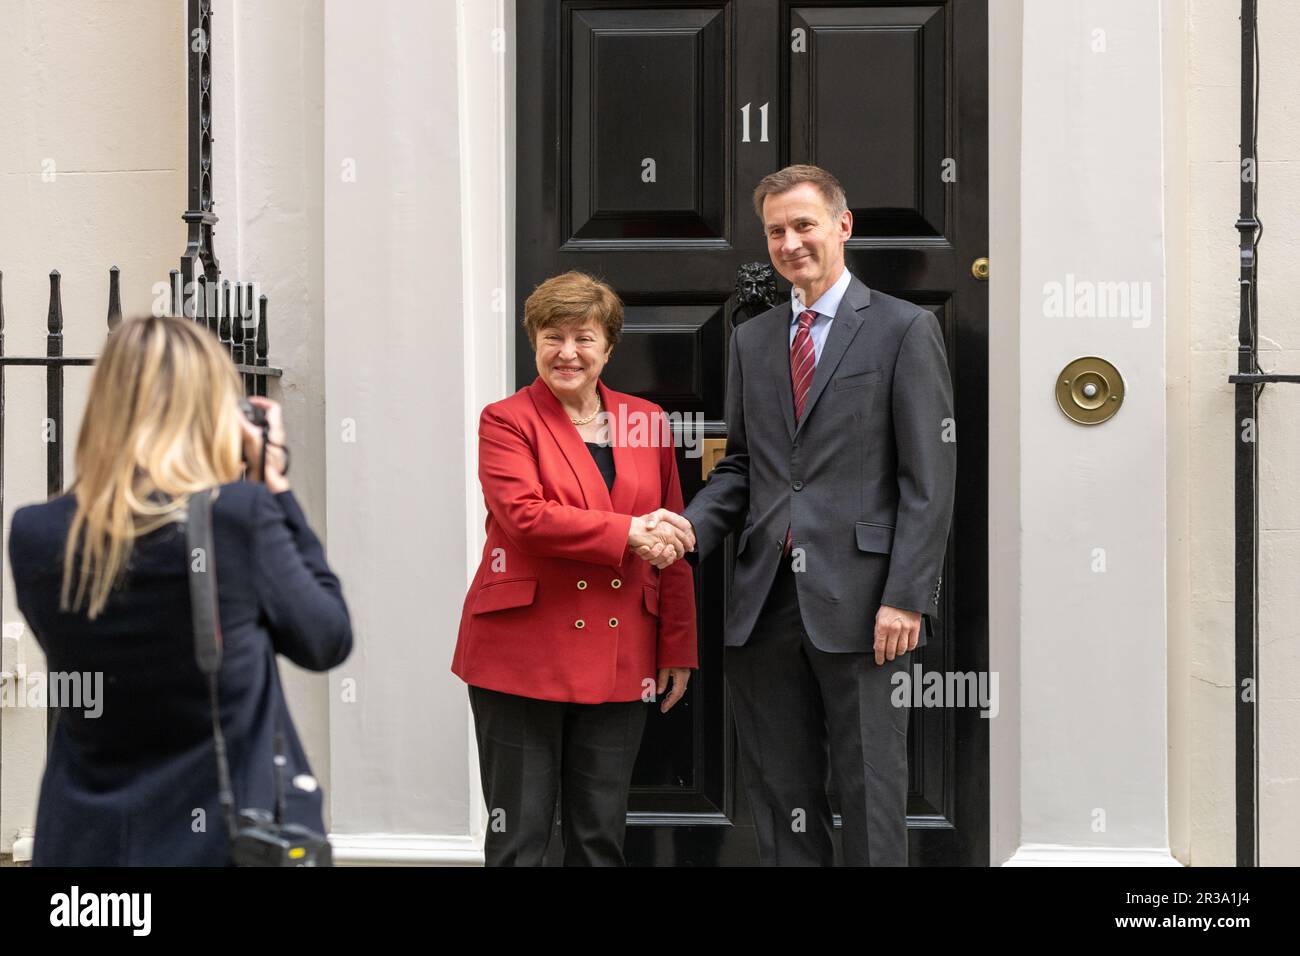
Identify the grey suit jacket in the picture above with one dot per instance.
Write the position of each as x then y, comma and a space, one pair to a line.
865, 479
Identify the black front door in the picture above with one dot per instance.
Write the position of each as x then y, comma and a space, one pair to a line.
642, 131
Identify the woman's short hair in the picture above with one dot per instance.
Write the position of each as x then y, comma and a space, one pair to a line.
783, 180
161, 422
569, 300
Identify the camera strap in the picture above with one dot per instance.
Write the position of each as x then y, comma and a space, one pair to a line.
207, 631
200, 542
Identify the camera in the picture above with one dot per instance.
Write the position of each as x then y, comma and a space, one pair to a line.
257, 417
260, 840
255, 414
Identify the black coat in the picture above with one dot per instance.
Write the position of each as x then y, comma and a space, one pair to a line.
137, 785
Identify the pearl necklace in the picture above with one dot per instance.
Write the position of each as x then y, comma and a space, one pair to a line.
592, 416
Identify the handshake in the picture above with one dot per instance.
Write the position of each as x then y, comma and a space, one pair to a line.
661, 537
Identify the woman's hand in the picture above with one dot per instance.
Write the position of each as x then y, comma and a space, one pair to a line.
681, 677
661, 546
274, 478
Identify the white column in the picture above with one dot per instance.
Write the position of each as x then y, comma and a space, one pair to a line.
267, 142
416, 184
1090, 642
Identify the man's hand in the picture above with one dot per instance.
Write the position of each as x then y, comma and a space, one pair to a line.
656, 519
660, 543
661, 537
897, 632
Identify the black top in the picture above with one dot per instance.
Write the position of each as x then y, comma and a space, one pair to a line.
604, 458
122, 787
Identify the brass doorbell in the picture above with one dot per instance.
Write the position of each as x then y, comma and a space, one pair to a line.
1089, 390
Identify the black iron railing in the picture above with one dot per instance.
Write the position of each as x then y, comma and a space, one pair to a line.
243, 333
1250, 381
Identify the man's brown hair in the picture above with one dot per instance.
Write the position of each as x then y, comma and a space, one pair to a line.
783, 180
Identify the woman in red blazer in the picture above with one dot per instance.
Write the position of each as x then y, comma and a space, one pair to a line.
567, 633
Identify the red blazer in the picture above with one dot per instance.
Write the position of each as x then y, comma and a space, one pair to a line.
560, 609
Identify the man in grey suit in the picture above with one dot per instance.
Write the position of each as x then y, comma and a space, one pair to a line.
839, 476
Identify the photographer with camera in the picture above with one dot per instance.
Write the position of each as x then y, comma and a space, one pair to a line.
117, 577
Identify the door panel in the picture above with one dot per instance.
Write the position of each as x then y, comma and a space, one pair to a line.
646, 127
870, 69
669, 354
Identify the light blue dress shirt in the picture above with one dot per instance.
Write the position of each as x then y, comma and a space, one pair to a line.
825, 307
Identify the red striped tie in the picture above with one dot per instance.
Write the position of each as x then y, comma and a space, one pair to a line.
803, 362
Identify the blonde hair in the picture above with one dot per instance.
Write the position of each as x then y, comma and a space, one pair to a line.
161, 422
568, 300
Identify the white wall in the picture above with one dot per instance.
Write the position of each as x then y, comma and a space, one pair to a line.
1092, 736
1279, 424
92, 92
1214, 91
268, 133
1178, 419
415, 244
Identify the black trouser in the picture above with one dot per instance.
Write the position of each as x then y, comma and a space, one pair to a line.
793, 703
532, 751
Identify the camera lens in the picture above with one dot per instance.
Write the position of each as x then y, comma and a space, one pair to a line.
253, 413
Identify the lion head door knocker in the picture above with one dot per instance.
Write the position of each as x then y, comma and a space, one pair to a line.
755, 291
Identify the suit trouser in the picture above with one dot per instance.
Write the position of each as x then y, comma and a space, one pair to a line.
532, 752
793, 703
